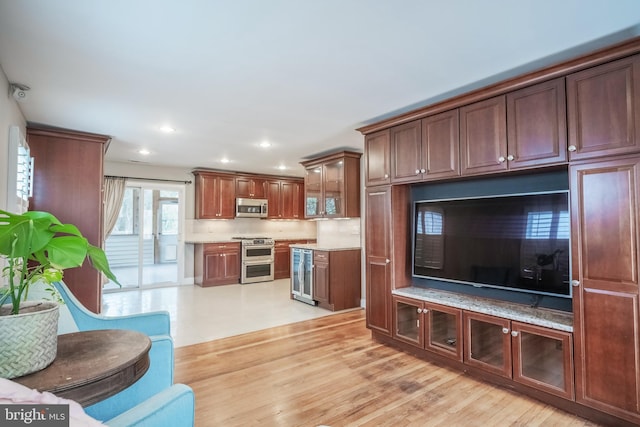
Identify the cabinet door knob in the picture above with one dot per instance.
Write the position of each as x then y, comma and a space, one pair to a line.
423, 170
387, 261
510, 157
505, 330
419, 310
417, 171
386, 175
514, 333
572, 148
501, 159
575, 283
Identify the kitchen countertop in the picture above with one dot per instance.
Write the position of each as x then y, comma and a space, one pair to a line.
536, 316
323, 247
222, 238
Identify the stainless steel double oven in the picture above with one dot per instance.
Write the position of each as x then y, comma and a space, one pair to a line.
257, 259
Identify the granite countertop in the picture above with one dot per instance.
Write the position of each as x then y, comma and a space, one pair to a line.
323, 247
537, 316
224, 238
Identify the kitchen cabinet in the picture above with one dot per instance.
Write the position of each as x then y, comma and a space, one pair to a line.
68, 182
434, 327
603, 106
605, 203
215, 195
426, 149
336, 278
282, 258
286, 199
537, 125
217, 263
332, 186
377, 163
539, 357
250, 187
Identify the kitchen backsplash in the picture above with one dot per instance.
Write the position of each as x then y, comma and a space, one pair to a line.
334, 233
339, 233
251, 227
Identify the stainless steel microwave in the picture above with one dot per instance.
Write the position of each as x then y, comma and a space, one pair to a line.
251, 208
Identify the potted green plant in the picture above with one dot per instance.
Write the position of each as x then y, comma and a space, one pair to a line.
36, 247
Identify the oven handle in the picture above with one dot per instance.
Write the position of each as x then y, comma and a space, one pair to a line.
258, 261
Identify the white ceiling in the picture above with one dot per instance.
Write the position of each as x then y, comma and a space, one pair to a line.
302, 74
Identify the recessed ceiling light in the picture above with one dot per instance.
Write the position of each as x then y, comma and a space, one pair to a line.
224, 160
282, 167
144, 152
167, 129
265, 144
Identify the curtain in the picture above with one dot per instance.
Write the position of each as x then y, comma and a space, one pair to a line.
113, 193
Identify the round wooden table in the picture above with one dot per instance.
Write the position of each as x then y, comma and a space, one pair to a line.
93, 365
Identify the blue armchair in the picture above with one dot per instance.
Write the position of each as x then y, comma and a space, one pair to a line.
158, 378
173, 407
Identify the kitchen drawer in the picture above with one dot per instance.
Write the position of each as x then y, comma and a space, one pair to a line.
322, 256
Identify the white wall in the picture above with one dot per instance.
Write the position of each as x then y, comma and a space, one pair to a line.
10, 115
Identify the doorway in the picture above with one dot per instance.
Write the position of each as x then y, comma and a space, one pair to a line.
144, 249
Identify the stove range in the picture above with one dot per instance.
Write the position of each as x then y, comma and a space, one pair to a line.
254, 240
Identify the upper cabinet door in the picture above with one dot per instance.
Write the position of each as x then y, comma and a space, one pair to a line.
602, 105
483, 136
441, 145
376, 159
251, 188
537, 125
406, 155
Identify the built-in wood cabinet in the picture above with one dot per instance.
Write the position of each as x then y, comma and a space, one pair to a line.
537, 125
250, 187
332, 186
582, 115
336, 278
605, 204
386, 251
483, 136
538, 357
406, 152
431, 326
217, 263
285, 199
440, 146
377, 164
425, 149
68, 182
215, 195
603, 105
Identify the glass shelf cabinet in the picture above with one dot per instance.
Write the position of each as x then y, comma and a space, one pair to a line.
431, 326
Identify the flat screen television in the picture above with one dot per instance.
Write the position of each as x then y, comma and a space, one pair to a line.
518, 242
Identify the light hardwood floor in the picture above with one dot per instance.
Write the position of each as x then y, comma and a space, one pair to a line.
328, 371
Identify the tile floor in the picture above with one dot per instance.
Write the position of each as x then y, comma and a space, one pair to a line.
205, 314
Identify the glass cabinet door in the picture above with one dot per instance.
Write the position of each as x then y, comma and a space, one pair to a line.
333, 188
488, 343
408, 318
313, 191
443, 330
542, 358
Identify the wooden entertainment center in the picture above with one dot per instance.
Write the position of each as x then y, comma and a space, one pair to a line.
581, 116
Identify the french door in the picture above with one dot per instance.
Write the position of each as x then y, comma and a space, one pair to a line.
144, 248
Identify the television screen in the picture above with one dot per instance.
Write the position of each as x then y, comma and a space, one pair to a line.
518, 242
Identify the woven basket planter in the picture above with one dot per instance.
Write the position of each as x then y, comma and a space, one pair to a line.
29, 340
